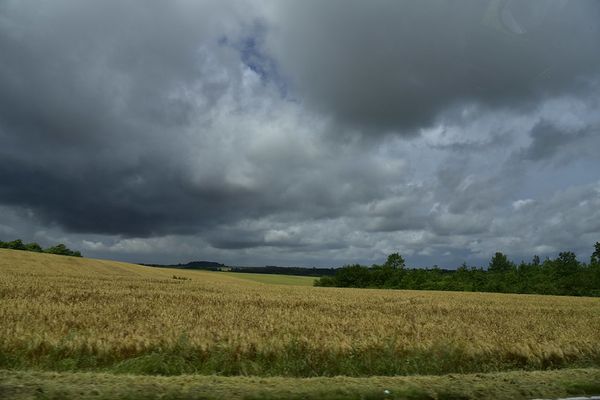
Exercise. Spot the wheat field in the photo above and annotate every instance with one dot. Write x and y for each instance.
(64, 313)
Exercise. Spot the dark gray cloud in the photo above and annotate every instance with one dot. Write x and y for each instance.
(550, 140)
(396, 65)
(96, 100)
(235, 131)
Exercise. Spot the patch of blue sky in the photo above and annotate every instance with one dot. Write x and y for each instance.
(254, 57)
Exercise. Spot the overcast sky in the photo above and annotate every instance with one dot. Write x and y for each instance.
(307, 133)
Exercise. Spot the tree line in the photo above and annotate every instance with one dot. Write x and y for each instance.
(564, 275)
(59, 249)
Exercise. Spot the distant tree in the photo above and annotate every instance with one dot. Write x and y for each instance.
(16, 245)
(62, 250)
(326, 281)
(34, 247)
(353, 276)
(567, 279)
(500, 263)
(595, 259)
(594, 270)
(463, 267)
(564, 275)
(566, 264)
(395, 261)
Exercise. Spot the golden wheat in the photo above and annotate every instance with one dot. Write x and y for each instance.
(121, 310)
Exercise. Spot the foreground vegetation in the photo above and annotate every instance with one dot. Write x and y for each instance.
(564, 275)
(17, 385)
(73, 314)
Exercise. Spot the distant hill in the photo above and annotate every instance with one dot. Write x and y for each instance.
(272, 269)
(268, 269)
(204, 265)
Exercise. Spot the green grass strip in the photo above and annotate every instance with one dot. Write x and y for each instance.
(22, 385)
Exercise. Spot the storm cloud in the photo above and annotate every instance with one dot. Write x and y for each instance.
(396, 65)
(301, 133)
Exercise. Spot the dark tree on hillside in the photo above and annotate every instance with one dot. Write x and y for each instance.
(62, 250)
(34, 247)
(16, 245)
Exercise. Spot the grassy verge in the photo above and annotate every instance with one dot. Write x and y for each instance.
(296, 359)
(21, 385)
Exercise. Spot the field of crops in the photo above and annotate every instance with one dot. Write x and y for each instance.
(64, 313)
(274, 279)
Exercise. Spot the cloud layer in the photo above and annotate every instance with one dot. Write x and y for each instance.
(301, 133)
(396, 65)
